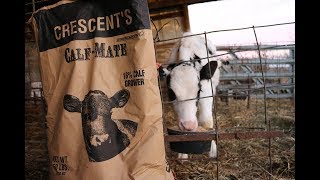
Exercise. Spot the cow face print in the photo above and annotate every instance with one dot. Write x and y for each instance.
(104, 137)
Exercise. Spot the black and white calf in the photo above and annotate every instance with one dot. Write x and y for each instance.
(104, 137)
(192, 79)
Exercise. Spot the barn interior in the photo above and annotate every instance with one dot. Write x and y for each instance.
(254, 115)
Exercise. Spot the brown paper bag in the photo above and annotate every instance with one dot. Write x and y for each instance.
(99, 78)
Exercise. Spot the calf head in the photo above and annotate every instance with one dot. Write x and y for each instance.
(191, 67)
(184, 88)
(102, 136)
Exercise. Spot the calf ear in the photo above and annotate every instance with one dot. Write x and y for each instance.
(163, 72)
(120, 99)
(71, 103)
(171, 94)
(205, 71)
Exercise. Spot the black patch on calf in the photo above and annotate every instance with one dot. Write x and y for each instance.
(171, 66)
(198, 93)
(195, 59)
(161, 73)
(171, 94)
(205, 71)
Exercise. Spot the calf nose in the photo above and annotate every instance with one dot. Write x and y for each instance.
(188, 125)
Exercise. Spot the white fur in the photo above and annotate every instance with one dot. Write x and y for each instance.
(184, 82)
(208, 90)
(189, 46)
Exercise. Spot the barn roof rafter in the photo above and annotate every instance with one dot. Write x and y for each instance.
(162, 4)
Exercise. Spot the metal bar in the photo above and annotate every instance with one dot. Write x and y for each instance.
(273, 96)
(265, 102)
(272, 47)
(236, 29)
(254, 86)
(257, 61)
(253, 48)
(221, 159)
(292, 54)
(216, 137)
(223, 136)
(226, 70)
(249, 71)
(170, 39)
(258, 96)
(187, 60)
(232, 76)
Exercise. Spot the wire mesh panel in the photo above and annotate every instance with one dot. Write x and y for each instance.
(253, 113)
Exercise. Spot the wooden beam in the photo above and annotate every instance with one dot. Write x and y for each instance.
(171, 3)
(186, 18)
(166, 15)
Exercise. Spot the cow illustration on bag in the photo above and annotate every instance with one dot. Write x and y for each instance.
(104, 137)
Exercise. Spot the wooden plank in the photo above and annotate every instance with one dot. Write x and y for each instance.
(171, 3)
(223, 136)
(166, 15)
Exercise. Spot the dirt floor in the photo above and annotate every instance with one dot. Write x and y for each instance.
(242, 159)
(36, 152)
(237, 159)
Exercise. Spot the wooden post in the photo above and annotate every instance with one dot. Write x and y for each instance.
(249, 92)
(186, 17)
(292, 55)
